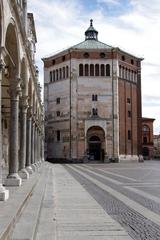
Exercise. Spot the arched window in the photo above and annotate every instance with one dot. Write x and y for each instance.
(146, 134)
(94, 111)
(126, 73)
(120, 71)
(107, 70)
(57, 75)
(146, 129)
(63, 72)
(51, 76)
(102, 70)
(80, 69)
(129, 75)
(54, 77)
(91, 70)
(123, 72)
(60, 73)
(67, 72)
(97, 70)
(135, 77)
(86, 70)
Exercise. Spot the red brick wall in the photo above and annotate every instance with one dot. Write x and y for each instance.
(78, 55)
(127, 90)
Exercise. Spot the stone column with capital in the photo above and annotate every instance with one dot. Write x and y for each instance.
(22, 161)
(28, 147)
(33, 145)
(42, 147)
(4, 193)
(38, 146)
(13, 179)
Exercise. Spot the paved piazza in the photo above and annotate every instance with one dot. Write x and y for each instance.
(89, 202)
(129, 193)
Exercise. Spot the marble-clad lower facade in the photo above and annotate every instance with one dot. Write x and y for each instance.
(21, 109)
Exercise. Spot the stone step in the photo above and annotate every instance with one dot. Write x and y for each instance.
(26, 225)
(11, 210)
(46, 227)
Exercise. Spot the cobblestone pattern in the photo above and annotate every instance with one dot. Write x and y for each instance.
(138, 227)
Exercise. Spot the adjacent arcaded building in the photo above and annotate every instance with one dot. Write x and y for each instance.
(21, 109)
(92, 97)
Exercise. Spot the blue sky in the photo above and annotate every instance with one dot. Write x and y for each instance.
(132, 25)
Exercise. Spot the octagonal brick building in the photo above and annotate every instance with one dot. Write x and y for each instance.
(92, 95)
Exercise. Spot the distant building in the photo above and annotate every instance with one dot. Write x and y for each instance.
(156, 143)
(147, 138)
(92, 97)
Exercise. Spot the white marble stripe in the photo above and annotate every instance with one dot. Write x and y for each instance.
(100, 175)
(127, 201)
(143, 184)
(114, 174)
(144, 194)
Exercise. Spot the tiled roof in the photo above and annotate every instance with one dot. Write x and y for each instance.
(91, 44)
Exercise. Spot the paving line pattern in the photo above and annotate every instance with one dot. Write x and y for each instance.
(77, 215)
(149, 203)
(113, 174)
(141, 222)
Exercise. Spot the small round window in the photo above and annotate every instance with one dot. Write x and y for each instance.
(86, 55)
(102, 55)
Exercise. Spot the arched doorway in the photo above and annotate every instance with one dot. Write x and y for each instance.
(96, 143)
(95, 148)
(145, 152)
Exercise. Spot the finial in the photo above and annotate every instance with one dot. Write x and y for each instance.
(91, 22)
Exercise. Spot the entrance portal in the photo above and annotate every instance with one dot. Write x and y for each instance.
(95, 143)
(94, 148)
(145, 152)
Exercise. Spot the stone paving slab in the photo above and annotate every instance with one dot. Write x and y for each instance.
(25, 227)
(58, 208)
(78, 216)
(12, 208)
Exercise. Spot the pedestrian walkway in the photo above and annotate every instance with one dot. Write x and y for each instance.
(58, 207)
(13, 207)
(77, 215)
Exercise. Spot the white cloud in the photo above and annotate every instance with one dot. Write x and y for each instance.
(62, 23)
(107, 2)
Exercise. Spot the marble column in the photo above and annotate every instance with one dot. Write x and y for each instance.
(13, 179)
(33, 145)
(42, 148)
(22, 161)
(28, 147)
(40, 156)
(4, 193)
(38, 146)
